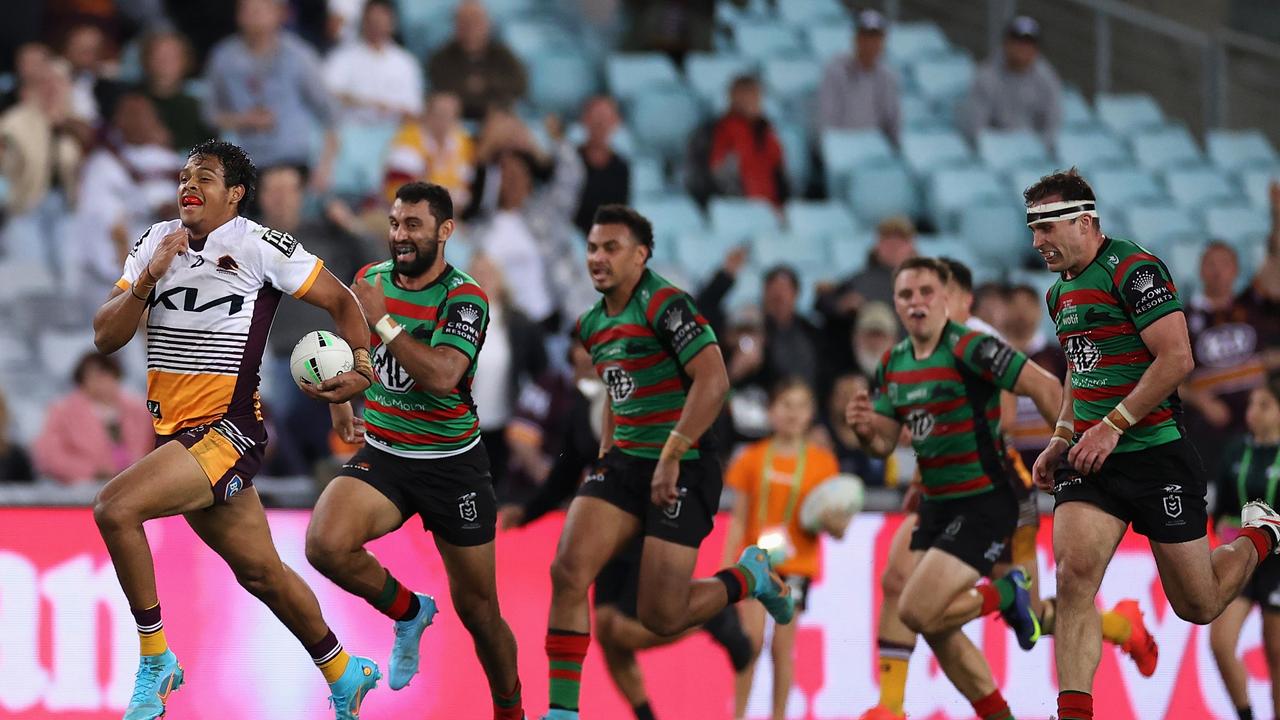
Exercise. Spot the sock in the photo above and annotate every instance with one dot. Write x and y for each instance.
(330, 657)
(566, 650)
(150, 630)
(992, 707)
(894, 659)
(1261, 539)
(725, 627)
(1115, 628)
(1245, 713)
(1075, 705)
(997, 595)
(736, 582)
(397, 601)
(644, 712)
(509, 706)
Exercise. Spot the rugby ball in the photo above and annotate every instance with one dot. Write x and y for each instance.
(319, 356)
(845, 492)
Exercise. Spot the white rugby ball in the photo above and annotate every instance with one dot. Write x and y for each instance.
(319, 356)
(845, 492)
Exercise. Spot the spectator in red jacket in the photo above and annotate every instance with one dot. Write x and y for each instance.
(746, 156)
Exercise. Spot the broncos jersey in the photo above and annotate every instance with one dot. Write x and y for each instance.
(210, 315)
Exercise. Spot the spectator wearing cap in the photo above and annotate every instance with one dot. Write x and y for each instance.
(746, 156)
(874, 333)
(1019, 90)
(859, 90)
(373, 78)
(479, 69)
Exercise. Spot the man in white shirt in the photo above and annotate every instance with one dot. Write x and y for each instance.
(374, 79)
(858, 90)
(1019, 89)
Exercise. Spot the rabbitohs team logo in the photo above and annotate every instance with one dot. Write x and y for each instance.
(1082, 353)
(920, 422)
(619, 382)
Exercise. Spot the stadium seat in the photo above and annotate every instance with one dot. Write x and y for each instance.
(1076, 112)
(908, 42)
(560, 80)
(1091, 150)
(796, 155)
(765, 38)
(789, 78)
(357, 171)
(662, 119)
(1257, 183)
(926, 151)
(631, 73)
(701, 253)
(1127, 114)
(741, 217)
(844, 150)
(818, 218)
(673, 216)
(849, 253)
(943, 79)
(997, 232)
(1238, 149)
(1118, 189)
(802, 251)
(425, 25)
(876, 192)
(1237, 225)
(709, 74)
(1166, 148)
(647, 178)
(806, 12)
(1019, 179)
(529, 37)
(60, 350)
(1195, 188)
(951, 246)
(829, 40)
(951, 190)
(1006, 149)
(920, 114)
(1159, 227)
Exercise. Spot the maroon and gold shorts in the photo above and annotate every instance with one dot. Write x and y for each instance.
(229, 450)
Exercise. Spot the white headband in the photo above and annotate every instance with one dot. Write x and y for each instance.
(1063, 210)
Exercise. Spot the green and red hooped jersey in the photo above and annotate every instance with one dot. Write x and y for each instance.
(1099, 315)
(640, 354)
(400, 417)
(950, 402)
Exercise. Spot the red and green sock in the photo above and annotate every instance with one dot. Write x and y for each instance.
(1075, 705)
(996, 595)
(566, 651)
(509, 706)
(396, 601)
(992, 707)
(737, 583)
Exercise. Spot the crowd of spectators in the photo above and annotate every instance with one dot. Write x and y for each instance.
(103, 108)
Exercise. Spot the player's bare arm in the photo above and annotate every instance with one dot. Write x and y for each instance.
(329, 294)
(1168, 342)
(1042, 387)
(116, 322)
(877, 433)
(702, 405)
(606, 429)
(1048, 459)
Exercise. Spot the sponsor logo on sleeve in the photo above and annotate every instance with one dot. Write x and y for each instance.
(282, 241)
(464, 321)
(993, 356)
(1147, 290)
(679, 323)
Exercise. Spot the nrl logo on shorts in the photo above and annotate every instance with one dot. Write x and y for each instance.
(673, 511)
(1083, 355)
(619, 382)
(467, 507)
(1173, 501)
(920, 422)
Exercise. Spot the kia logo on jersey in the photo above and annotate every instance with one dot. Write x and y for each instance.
(191, 302)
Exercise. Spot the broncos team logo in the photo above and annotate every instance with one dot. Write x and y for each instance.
(619, 382)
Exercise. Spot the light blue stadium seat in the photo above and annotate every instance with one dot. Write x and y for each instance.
(662, 119)
(710, 74)
(787, 78)
(1091, 150)
(701, 253)
(1238, 149)
(997, 232)
(1159, 227)
(631, 73)
(622, 141)
(1006, 149)
(1257, 183)
(795, 151)
(673, 216)
(647, 178)
(358, 169)
(876, 192)
(1076, 112)
(954, 189)
(1196, 188)
(946, 245)
(1237, 225)
(1019, 179)
(503, 11)
(1120, 188)
(528, 37)
(806, 12)
(926, 151)
(844, 150)
(920, 114)
(908, 42)
(849, 253)
(1166, 148)
(766, 38)
(942, 79)
(560, 80)
(801, 251)
(819, 218)
(829, 40)
(742, 217)
(1127, 114)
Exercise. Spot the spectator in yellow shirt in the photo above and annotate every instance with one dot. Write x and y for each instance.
(434, 149)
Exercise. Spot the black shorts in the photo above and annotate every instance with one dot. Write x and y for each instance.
(454, 495)
(974, 529)
(624, 480)
(1264, 587)
(229, 450)
(618, 584)
(1161, 490)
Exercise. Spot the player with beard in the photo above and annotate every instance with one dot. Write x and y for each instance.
(657, 478)
(207, 286)
(422, 451)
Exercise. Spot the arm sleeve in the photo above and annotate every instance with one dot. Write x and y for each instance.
(463, 319)
(1147, 291)
(678, 324)
(287, 265)
(991, 358)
